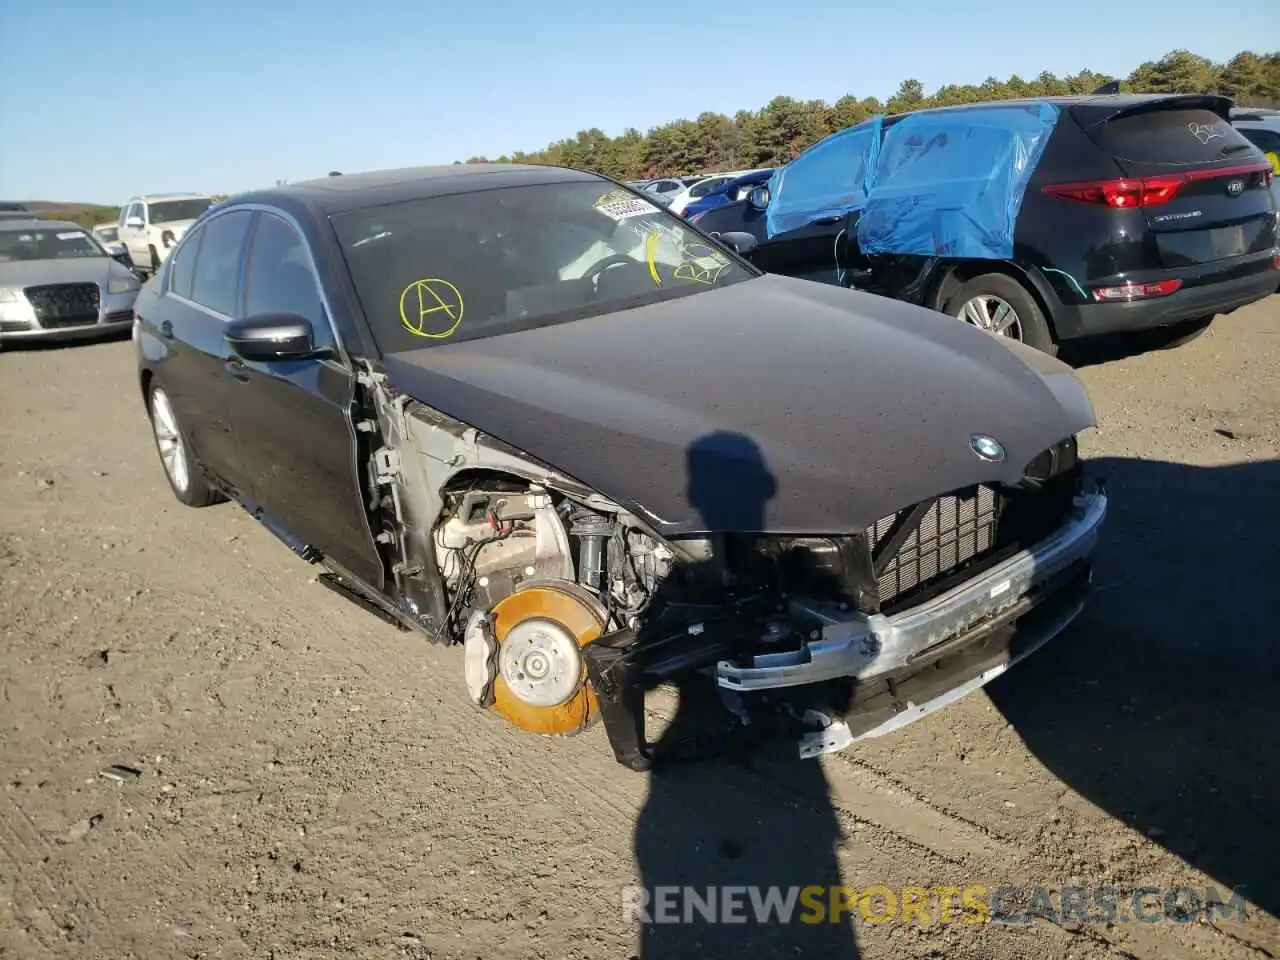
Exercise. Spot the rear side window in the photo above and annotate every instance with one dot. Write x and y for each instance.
(1172, 137)
(216, 284)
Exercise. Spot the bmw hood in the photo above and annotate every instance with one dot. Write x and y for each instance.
(828, 408)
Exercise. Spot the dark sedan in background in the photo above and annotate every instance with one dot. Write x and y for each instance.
(527, 411)
(57, 282)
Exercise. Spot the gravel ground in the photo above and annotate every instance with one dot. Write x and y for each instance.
(315, 784)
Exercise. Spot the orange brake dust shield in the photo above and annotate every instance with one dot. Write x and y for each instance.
(541, 683)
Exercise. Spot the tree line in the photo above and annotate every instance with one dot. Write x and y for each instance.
(784, 127)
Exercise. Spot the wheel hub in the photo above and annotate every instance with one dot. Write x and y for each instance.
(540, 663)
(539, 678)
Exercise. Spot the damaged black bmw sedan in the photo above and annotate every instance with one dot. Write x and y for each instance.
(526, 411)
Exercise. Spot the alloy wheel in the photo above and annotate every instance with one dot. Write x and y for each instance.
(992, 314)
(169, 440)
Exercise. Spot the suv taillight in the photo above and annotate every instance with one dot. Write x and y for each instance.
(1148, 191)
(1137, 291)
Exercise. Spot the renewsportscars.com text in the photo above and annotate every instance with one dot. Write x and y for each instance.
(973, 903)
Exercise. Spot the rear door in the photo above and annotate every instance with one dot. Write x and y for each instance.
(203, 295)
(292, 418)
(1204, 187)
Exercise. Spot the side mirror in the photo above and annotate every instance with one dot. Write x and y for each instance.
(272, 336)
(119, 252)
(759, 197)
(134, 222)
(739, 241)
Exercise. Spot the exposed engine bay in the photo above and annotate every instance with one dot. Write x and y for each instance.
(569, 606)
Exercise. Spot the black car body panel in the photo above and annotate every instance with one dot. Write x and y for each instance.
(786, 486)
(825, 407)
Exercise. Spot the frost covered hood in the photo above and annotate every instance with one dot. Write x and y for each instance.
(774, 404)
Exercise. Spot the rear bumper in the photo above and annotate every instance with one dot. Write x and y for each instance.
(872, 648)
(1071, 322)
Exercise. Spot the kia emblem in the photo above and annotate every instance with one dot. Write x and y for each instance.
(1235, 188)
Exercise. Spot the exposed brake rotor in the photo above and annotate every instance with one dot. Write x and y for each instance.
(539, 677)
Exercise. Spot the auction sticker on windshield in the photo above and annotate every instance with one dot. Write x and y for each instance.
(619, 205)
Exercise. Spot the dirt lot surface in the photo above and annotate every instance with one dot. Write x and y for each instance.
(315, 784)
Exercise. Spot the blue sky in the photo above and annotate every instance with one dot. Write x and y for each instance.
(102, 100)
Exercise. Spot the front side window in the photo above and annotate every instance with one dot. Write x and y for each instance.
(216, 283)
(48, 243)
(471, 265)
(171, 211)
(279, 279)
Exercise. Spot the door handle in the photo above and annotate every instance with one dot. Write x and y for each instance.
(166, 329)
(237, 369)
(834, 218)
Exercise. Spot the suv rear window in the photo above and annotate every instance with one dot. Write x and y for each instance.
(1171, 136)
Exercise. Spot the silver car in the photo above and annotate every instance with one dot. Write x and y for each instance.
(58, 282)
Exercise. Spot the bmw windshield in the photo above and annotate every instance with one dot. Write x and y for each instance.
(471, 265)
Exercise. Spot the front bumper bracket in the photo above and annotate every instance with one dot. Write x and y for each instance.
(868, 646)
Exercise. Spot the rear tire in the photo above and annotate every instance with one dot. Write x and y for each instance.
(185, 479)
(990, 300)
(1171, 336)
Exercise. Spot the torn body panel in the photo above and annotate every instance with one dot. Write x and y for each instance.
(569, 606)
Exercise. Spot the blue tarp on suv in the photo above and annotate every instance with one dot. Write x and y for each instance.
(945, 183)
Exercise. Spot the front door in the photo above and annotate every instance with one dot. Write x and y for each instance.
(809, 252)
(135, 237)
(292, 418)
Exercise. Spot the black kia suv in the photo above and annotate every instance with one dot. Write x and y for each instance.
(1146, 214)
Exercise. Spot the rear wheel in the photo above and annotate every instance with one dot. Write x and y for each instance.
(186, 481)
(1003, 307)
(1173, 335)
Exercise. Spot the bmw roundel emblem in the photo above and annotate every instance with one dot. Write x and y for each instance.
(986, 448)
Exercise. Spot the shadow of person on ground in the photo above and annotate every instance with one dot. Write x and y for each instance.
(23, 345)
(763, 819)
(1107, 348)
(1161, 704)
